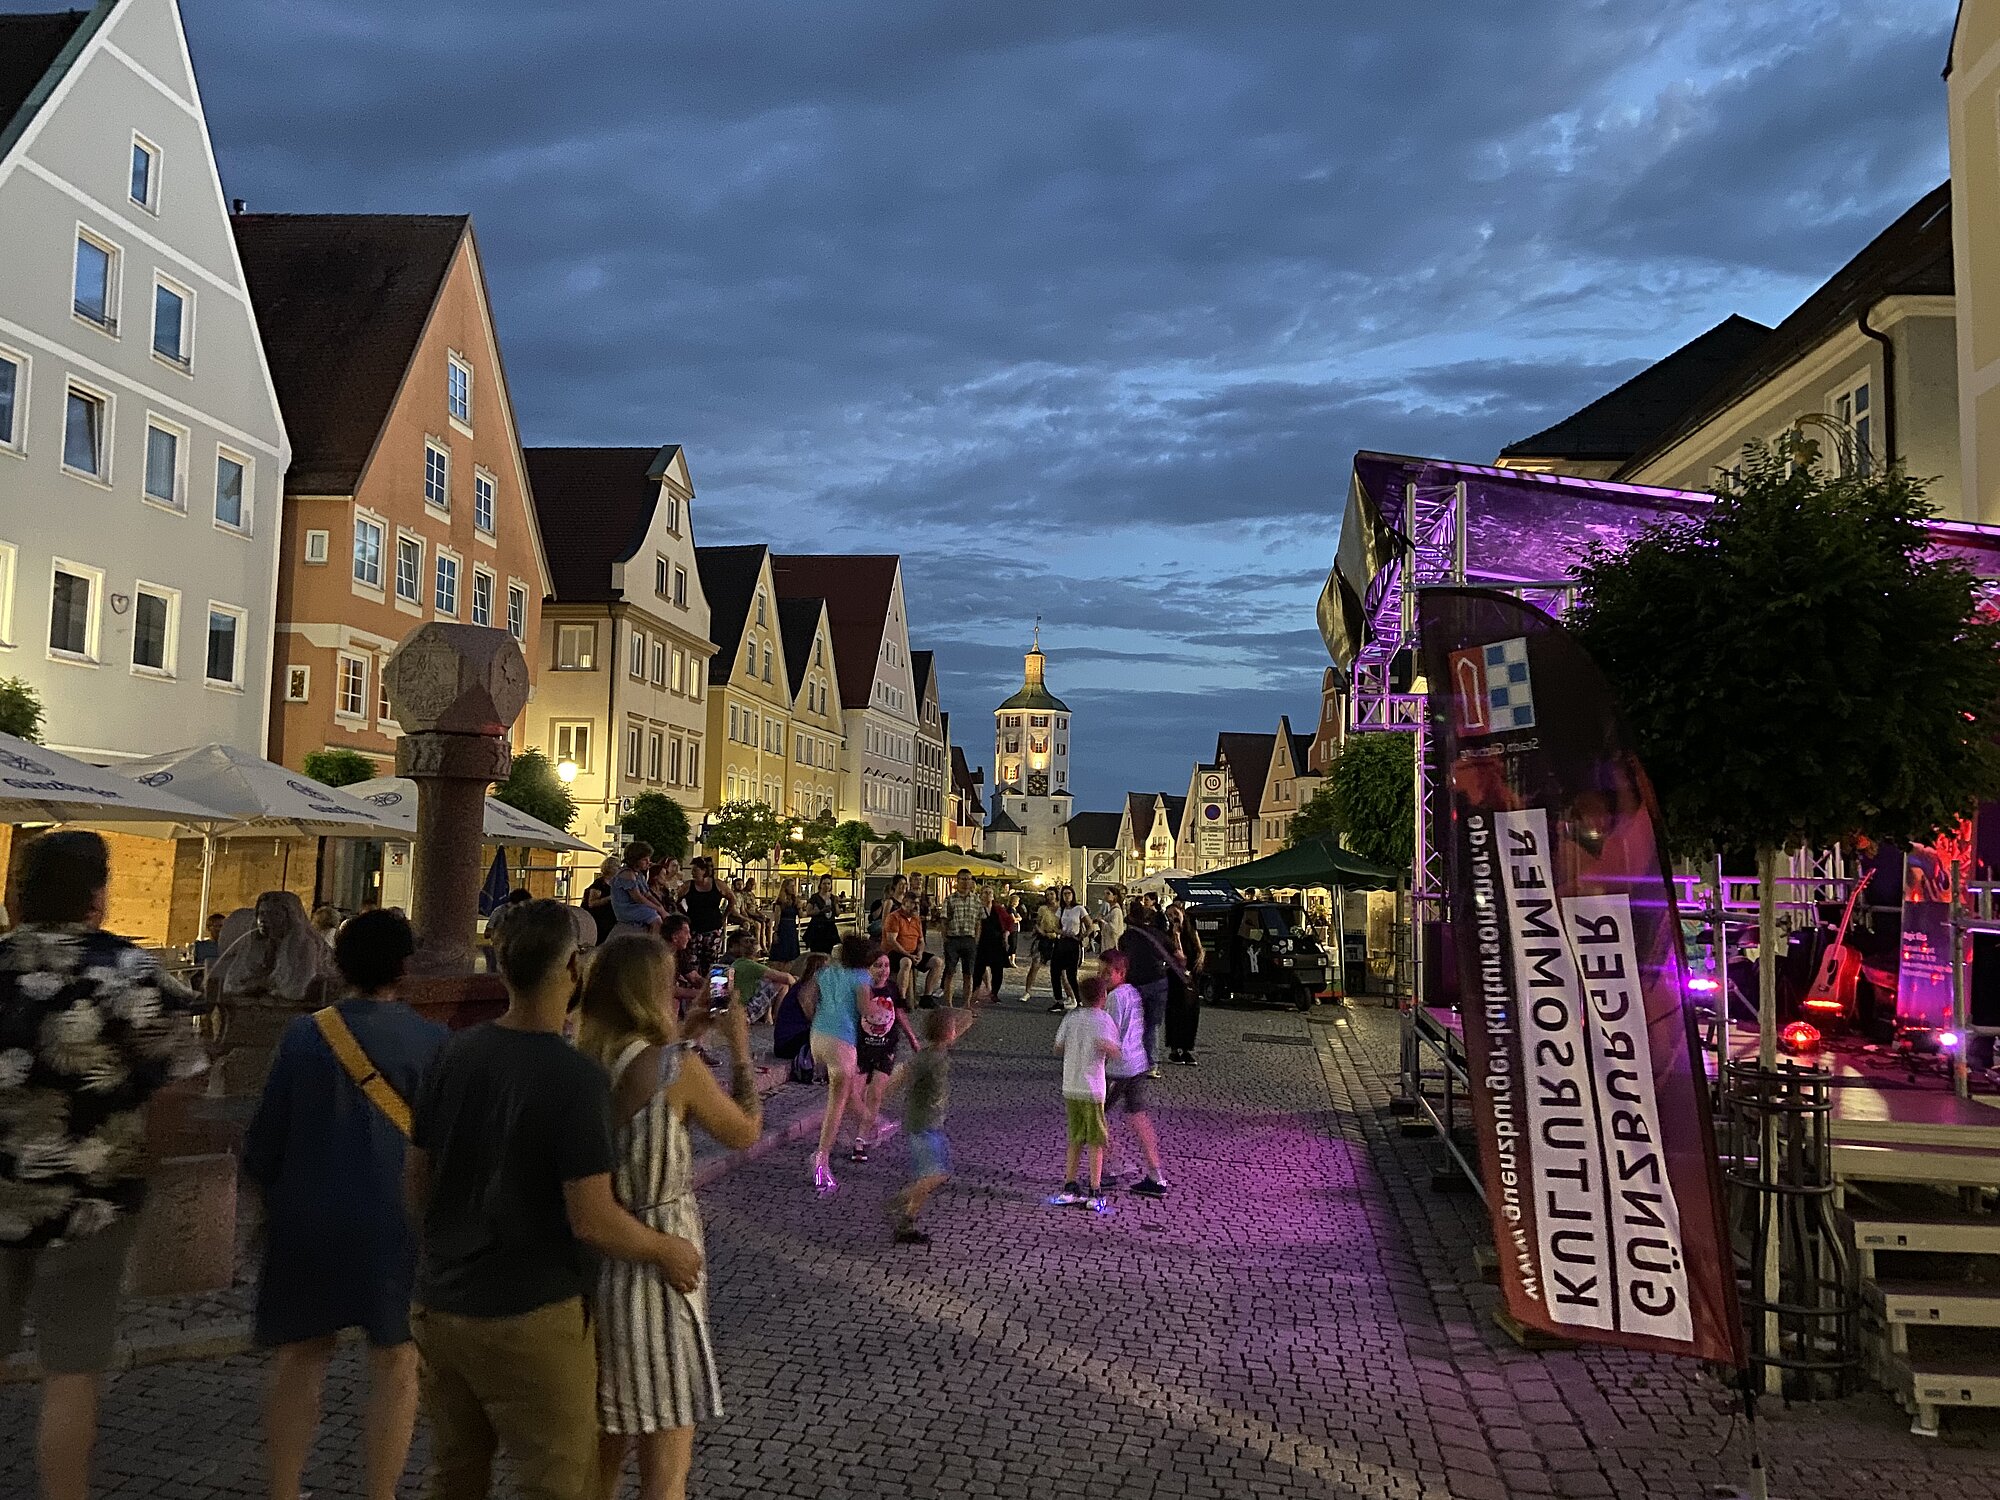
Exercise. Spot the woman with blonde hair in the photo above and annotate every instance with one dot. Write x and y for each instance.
(785, 936)
(656, 1371)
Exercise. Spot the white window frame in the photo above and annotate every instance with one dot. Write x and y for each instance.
(680, 586)
(17, 442)
(659, 654)
(249, 467)
(114, 279)
(635, 655)
(10, 573)
(693, 763)
(319, 548)
(415, 598)
(155, 160)
(673, 513)
(343, 660)
(481, 575)
(632, 749)
(517, 618)
(574, 630)
(432, 447)
(483, 483)
(108, 406)
(457, 565)
(679, 679)
(184, 360)
(93, 617)
(380, 525)
(171, 644)
(242, 619)
(660, 575)
(298, 682)
(656, 755)
(183, 439)
(454, 365)
(385, 715)
(563, 735)
(1840, 405)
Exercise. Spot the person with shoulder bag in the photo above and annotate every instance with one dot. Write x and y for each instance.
(326, 1150)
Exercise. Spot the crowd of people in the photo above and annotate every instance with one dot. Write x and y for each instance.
(507, 1213)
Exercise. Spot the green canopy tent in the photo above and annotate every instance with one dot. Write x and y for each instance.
(1314, 862)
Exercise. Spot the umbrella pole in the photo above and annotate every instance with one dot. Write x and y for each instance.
(207, 880)
(1340, 939)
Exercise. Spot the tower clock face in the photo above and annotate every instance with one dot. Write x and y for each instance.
(1038, 784)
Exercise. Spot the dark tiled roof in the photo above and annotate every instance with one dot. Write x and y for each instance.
(1176, 810)
(1249, 757)
(30, 48)
(1142, 806)
(968, 783)
(922, 665)
(1093, 830)
(729, 578)
(341, 301)
(1625, 421)
(1003, 824)
(1911, 258)
(856, 590)
(594, 506)
(1302, 745)
(798, 623)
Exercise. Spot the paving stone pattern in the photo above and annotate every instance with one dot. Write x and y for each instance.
(1299, 1318)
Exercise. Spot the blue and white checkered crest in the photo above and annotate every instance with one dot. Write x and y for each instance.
(1510, 697)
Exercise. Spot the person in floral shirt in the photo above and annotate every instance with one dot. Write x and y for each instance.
(90, 1031)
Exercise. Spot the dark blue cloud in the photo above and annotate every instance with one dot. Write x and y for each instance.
(1084, 308)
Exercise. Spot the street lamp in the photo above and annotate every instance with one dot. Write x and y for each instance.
(566, 770)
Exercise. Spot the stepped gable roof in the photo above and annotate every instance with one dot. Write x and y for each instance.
(1249, 757)
(798, 623)
(1911, 258)
(857, 590)
(729, 578)
(1142, 807)
(1093, 830)
(35, 52)
(1628, 419)
(1003, 824)
(595, 506)
(342, 301)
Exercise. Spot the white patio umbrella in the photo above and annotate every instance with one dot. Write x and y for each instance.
(1156, 883)
(394, 799)
(40, 786)
(240, 794)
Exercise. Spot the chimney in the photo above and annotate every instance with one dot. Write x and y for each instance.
(237, 205)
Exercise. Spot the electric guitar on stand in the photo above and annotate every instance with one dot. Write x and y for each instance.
(1831, 995)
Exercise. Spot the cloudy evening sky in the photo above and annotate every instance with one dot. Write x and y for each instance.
(1085, 307)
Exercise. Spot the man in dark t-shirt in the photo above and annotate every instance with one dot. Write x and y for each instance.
(510, 1184)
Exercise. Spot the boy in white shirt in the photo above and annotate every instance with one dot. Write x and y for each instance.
(1127, 1080)
(1084, 1041)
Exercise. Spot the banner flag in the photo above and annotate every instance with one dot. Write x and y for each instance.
(1596, 1138)
(1931, 873)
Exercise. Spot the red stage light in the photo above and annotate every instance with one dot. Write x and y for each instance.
(1800, 1036)
(1833, 1005)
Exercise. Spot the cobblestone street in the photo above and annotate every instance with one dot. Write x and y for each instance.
(1299, 1318)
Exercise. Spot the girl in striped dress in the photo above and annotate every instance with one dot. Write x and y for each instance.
(656, 1373)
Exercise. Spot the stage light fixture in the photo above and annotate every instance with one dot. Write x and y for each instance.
(1703, 986)
(1800, 1036)
(1947, 1040)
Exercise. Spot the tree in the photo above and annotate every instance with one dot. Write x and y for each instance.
(843, 846)
(818, 831)
(339, 767)
(659, 820)
(535, 789)
(745, 831)
(1371, 792)
(1317, 819)
(20, 710)
(1796, 667)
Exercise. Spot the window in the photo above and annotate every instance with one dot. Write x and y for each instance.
(145, 189)
(163, 465)
(152, 629)
(1853, 407)
(482, 501)
(298, 684)
(13, 401)
(437, 476)
(695, 670)
(517, 612)
(573, 744)
(368, 552)
(674, 760)
(679, 670)
(410, 570)
(351, 701)
(681, 587)
(384, 715)
(735, 733)
(171, 323)
(632, 750)
(636, 662)
(767, 663)
(83, 433)
(694, 763)
(73, 612)
(660, 576)
(760, 609)
(482, 598)
(656, 755)
(445, 596)
(659, 663)
(225, 646)
(231, 482)
(95, 297)
(458, 390)
(576, 648)
(318, 544)
(674, 514)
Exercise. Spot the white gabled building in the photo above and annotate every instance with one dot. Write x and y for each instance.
(141, 446)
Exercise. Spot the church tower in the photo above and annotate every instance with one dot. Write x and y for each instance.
(1031, 770)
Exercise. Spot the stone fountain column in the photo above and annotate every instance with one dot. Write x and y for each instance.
(456, 691)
